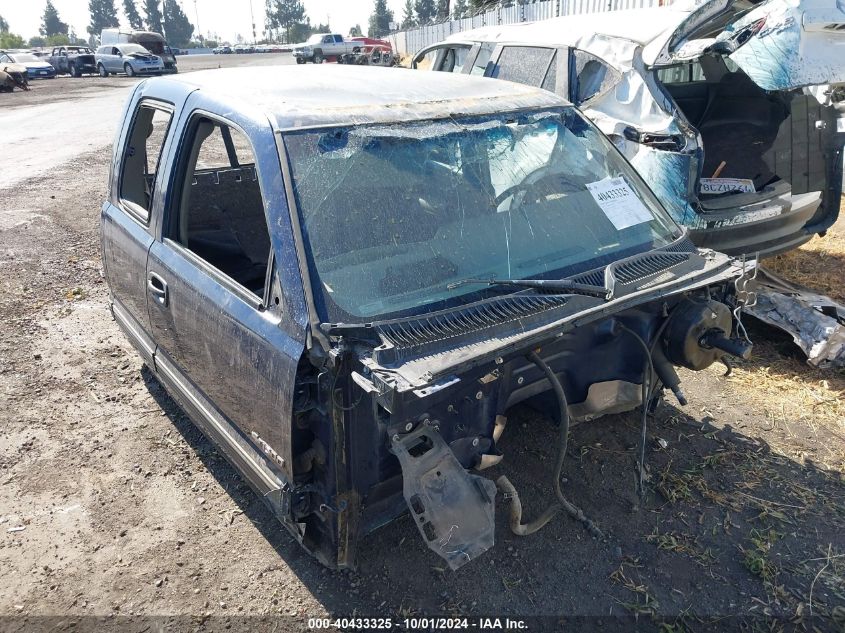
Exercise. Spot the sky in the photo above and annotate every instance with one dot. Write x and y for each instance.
(224, 18)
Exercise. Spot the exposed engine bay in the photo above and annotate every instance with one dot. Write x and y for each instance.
(421, 403)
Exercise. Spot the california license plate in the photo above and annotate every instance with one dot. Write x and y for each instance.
(727, 185)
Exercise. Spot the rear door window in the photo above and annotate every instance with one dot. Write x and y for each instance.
(141, 157)
(523, 64)
(220, 212)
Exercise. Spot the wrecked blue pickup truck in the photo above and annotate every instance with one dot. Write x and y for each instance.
(346, 276)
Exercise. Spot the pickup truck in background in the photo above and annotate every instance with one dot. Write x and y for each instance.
(73, 60)
(322, 45)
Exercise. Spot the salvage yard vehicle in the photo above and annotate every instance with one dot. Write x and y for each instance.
(11, 80)
(353, 343)
(151, 41)
(322, 46)
(728, 109)
(376, 55)
(35, 67)
(13, 75)
(73, 60)
(130, 59)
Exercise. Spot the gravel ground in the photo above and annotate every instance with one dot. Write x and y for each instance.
(113, 504)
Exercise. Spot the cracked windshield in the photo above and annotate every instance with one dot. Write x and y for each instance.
(392, 215)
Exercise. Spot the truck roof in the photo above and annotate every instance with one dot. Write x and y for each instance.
(307, 96)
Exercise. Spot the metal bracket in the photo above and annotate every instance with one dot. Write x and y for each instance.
(453, 509)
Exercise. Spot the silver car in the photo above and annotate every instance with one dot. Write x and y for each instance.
(733, 112)
(130, 59)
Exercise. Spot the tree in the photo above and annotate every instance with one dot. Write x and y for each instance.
(299, 31)
(50, 22)
(478, 5)
(408, 19)
(75, 40)
(177, 27)
(460, 9)
(39, 41)
(132, 15)
(442, 10)
(426, 11)
(154, 20)
(11, 40)
(356, 31)
(4, 26)
(103, 16)
(286, 14)
(60, 39)
(380, 19)
(322, 28)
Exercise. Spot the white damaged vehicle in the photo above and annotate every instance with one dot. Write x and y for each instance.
(732, 110)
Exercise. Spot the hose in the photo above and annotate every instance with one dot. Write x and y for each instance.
(563, 439)
(648, 371)
(506, 487)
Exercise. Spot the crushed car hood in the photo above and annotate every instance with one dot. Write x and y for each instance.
(779, 44)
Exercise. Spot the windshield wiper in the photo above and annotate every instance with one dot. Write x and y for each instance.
(555, 285)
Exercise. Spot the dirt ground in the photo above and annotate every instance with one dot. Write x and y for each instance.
(113, 504)
(64, 87)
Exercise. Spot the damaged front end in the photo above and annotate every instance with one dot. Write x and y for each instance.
(439, 387)
(587, 301)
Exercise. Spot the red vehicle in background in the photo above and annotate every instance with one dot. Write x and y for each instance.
(368, 41)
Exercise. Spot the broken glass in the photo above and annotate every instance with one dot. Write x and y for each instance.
(391, 215)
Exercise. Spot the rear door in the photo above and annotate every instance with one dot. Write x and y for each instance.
(113, 60)
(215, 304)
(126, 228)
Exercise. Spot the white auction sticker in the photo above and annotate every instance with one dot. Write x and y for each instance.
(726, 185)
(619, 202)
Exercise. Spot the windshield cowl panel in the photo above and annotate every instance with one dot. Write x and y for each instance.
(393, 215)
(414, 353)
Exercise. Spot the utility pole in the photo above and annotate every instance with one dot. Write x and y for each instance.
(252, 15)
(197, 14)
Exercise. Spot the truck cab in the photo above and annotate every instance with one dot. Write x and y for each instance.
(353, 343)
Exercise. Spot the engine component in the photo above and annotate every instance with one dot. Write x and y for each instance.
(699, 334)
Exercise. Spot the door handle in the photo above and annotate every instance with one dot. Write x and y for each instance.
(157, 287)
